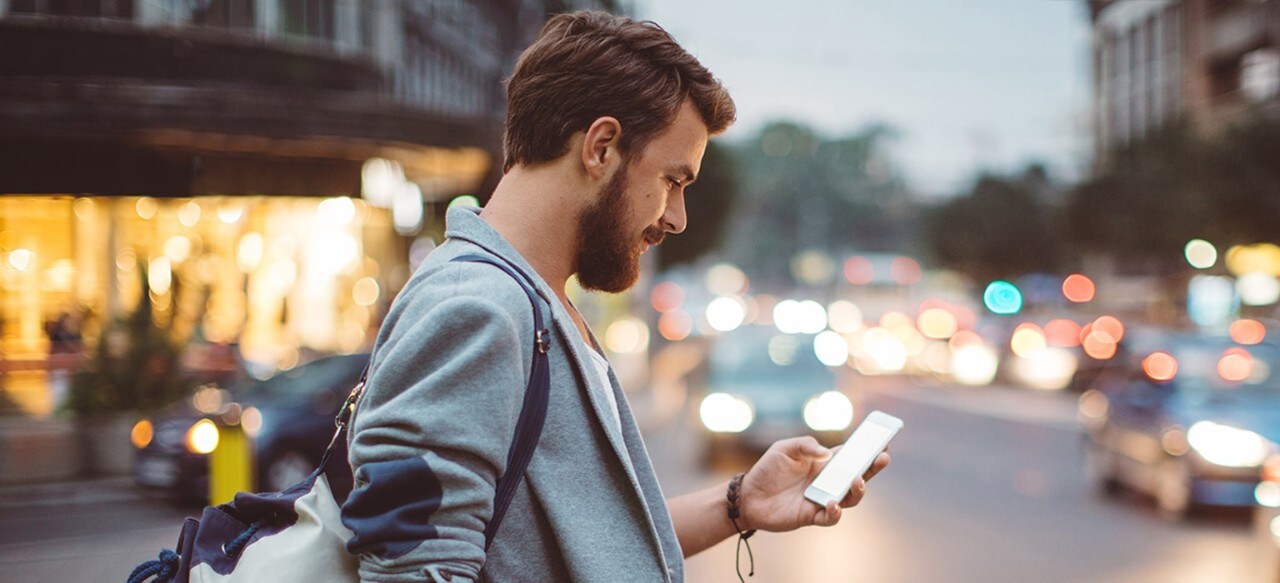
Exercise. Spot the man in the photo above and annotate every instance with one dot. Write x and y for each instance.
(607, 123)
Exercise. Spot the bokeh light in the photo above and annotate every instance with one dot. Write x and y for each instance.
(726, 279)
(844, 317)
(1111, 326)
(1062, 333)
(1258, 289)
(1099, 345)
(726, 313)
(905, 271)
(666, 296)
(675, 325)
(627, 336)
(858, 270)
(1002, 297)
(1078, 288)
(1246, 331)
(974, 364)
(1027, 339)
(1200, 254)
(831, 348)
(1235, 365)
(1160, 366)
(937, 323)
(1257, 258)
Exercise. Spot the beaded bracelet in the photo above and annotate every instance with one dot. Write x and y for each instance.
(734, 513)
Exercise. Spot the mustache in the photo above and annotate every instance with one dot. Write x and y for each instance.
(654, 235)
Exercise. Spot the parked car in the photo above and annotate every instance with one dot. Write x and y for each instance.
(1190, 426)
(289, 418)
(760, 386)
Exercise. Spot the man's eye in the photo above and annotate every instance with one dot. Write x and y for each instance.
(673, 182)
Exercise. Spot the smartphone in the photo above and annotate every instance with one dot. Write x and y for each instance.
(854, 458)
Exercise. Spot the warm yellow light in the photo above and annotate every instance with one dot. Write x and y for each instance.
(20, 259)
(1257, 258)
(249, 252)
(160, 275)
(844, 317)
(189, 214)
(141, 434)
(177, 248)
(202, 438)
(146, 207)
(365, 292)
(627, 336)
(1027, 339)
(937, 323)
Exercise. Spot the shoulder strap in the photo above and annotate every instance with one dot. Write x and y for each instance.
(533, 414)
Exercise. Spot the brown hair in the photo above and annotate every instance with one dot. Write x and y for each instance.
(586, 65)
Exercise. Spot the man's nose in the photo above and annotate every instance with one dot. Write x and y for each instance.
(673, 218)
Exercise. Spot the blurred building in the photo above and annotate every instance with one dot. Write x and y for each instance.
(258, 168)
(1207, 62)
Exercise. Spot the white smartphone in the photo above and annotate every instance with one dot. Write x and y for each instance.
(854, 458)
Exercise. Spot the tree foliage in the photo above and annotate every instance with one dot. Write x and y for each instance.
(1002, 228)
(1178, 185)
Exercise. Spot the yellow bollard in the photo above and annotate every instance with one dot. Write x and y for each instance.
(230, 465)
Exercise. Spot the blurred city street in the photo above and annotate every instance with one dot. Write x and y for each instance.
(1043, 234)
(985, 485)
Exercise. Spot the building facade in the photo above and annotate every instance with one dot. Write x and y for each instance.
(1204, 62)
(259, 170)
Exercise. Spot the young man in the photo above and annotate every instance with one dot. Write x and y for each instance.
(607, 123)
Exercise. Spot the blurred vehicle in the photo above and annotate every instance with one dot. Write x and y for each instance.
(1267, 512)
(288, 416)
(761, 386)
(1191, 424)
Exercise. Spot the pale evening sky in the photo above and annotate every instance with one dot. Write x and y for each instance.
(970, 84)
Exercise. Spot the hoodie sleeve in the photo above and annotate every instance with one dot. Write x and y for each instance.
(431, 434)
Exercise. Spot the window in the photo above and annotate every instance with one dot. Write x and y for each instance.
(224, 13)
(313, 18)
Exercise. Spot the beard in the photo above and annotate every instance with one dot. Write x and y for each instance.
(608, 258)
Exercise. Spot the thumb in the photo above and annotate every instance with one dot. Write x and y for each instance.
(806, 447)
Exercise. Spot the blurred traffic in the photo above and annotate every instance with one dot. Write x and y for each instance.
(1044, 234)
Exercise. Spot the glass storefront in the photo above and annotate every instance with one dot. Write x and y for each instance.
(276, 278)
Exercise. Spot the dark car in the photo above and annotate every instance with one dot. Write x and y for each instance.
(761, 385)
(289, 418)
(1191, 425)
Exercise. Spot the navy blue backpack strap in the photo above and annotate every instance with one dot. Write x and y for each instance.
(533, 415)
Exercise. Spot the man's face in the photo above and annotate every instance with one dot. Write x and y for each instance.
(639, 205)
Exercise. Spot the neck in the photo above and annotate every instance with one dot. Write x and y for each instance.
(536, 211)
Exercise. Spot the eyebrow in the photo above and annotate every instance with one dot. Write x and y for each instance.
(685, 173)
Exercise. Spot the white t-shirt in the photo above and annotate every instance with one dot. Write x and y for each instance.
(602, 371)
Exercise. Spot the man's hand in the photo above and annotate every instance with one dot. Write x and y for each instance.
(772, 492)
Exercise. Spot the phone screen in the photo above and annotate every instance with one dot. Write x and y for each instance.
(854, 458)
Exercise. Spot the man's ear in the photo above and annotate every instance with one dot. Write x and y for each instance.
(600, 147)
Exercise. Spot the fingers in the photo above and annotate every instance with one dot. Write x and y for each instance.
(856, 492)
(828, 516)
(882, 461)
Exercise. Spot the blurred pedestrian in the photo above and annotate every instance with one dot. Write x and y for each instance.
(607, 123)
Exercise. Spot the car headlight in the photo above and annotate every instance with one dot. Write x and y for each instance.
(202, 438)
(725, 413)
(1227, 446)
(830, 411)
